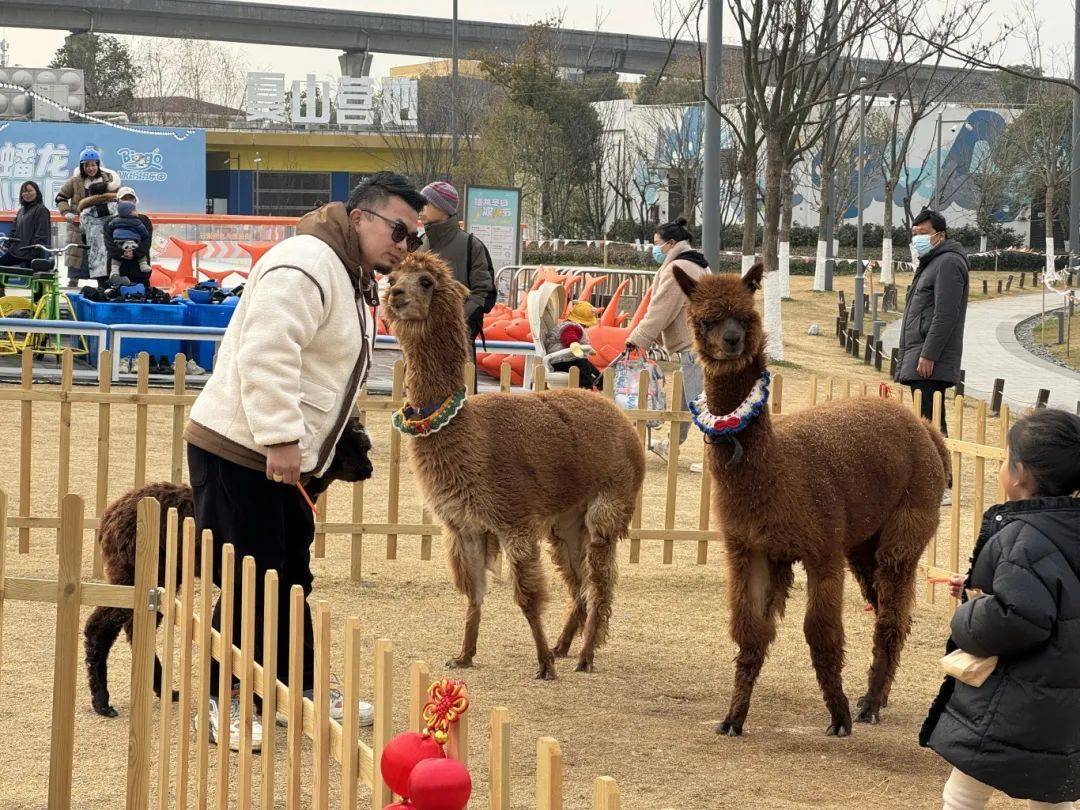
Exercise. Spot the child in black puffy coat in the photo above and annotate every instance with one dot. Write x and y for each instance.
(1019, 731)
(128, 236)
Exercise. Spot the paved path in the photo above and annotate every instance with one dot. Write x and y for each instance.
(991, 351)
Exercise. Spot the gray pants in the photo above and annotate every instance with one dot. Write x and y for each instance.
(693, 385)
(93, 228)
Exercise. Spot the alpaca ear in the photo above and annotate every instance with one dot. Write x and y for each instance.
(753, 276)
(687, 284)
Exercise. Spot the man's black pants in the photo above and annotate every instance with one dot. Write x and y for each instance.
(929, 388)
(266, 521)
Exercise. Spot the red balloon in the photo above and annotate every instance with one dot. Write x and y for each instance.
(402, 754)
(440, 784)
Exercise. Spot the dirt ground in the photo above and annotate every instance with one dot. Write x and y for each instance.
(645, 717)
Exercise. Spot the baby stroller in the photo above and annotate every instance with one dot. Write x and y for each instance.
(545, 307)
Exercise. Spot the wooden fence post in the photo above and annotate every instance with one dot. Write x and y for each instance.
(269, 686)
(227, 600)
(3, 546)
(878, 356)
(179, 385)
(247, 681)
(26, 445)
(499, 765)
(548, 774)
(320, 753)
(777, 399)
(63, 473)
(394, 484)
(643, 437)
(350, 725)
(103, 448)
(419, 681)
(140, 742)
(384, 711)
(671, 504)
(605, 794)
(169, 636)
(142, 388)
(995, 398)
(66, 655)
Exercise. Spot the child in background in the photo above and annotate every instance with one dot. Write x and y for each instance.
(567, 344)
(1019, 732)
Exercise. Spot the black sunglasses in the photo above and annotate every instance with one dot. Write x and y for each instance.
(400, 231)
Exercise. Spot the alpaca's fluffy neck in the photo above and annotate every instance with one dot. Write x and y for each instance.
(435, 357)
(725, 392)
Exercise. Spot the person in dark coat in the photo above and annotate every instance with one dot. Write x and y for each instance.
(1019, 732)
(467, 256)
(128, 236)
(31, 227)
(932, 332)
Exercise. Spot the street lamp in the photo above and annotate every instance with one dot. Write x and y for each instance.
(859, 163)
(935, 200)
(453, 86)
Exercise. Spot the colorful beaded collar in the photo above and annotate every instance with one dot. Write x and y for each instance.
(718, 427)
(425, 421)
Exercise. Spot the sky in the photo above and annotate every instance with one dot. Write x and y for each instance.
(27, 46)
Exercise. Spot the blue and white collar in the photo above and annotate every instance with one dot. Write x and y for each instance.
(716, 427)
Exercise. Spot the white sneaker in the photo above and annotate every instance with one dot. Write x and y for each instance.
(946, 499)
(697, 467)
(194, 369)
(660, 448)
(234, 726)
(337, 709)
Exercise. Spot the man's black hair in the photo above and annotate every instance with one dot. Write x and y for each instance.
(381, 185)
(936, 220)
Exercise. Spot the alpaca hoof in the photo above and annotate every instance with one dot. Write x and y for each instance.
(729, 729)
(459, 663)
(869, 711)
(105, 710)
(840, 729)
(546, 672)
(585, 666)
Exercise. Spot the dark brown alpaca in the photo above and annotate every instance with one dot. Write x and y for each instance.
(857, 482)
(511, 470)
(117, 537)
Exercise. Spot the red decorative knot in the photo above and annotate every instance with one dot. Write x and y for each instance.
(448, 700)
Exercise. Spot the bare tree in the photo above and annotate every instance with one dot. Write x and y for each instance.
(201, 71)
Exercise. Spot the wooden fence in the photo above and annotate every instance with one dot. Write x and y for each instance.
(187, 771)
(674, 507)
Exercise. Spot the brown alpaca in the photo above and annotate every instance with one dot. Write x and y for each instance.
(510, 470)
(857, 482)
(117, 537)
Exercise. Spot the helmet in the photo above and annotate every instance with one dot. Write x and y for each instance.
(89, 153)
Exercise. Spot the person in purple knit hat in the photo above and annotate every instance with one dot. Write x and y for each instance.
(465, 253)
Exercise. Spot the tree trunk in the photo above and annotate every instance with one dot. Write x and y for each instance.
(823, 220)
(887, 278)
(774, 172)
(785, 235)
(748, 179)
(1050, 229)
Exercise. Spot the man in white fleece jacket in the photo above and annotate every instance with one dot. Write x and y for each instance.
(287, 375)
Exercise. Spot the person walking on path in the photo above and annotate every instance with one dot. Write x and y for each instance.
(932, 332)
(465, 253)
(1019, 731)
(665, 321)
(292, 361)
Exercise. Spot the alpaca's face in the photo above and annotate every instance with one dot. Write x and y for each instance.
(727, 328)
(421, 287)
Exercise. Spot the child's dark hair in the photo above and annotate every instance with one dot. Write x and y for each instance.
(675, 231)
(1047, 443)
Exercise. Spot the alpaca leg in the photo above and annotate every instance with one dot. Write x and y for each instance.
(895, 582)
(824, 630)
(604, 521)
(567, 550)
(467, 555)
(863, 562)
(530, 592)
(757, 590)
(102, 628)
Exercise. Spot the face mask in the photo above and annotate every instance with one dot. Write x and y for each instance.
(658, 254)
(921, 244)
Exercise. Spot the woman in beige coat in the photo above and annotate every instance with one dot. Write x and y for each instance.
(665, 321)
(89, 194)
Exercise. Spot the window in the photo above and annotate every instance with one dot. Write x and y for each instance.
(289, 194)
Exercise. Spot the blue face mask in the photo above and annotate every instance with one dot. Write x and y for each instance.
(658, 254)
(921, 244)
